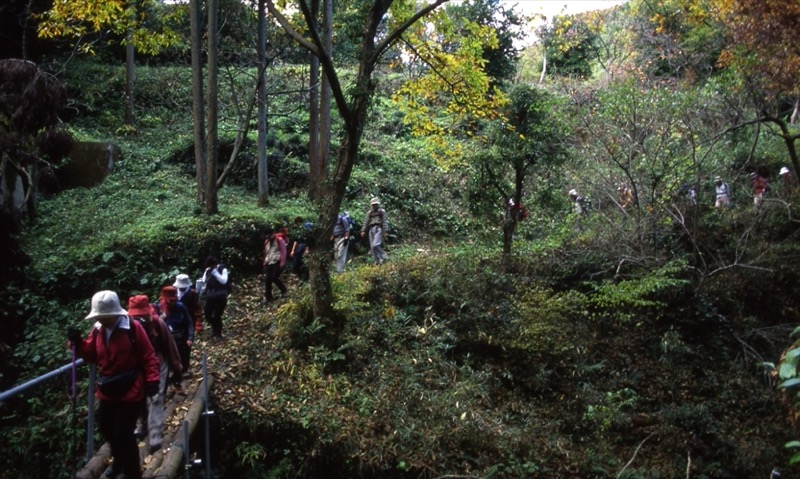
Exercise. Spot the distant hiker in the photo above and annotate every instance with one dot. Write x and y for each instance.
(722, 192)
(127, 369)
(181, 326)
(140, 309)
(519, 213)
(341, 240)
(581, 205)
(625, 196)
(689, 193)
(788, 184)
(187, 294)
(274, 262)
(376, 223)
(299, 245)
(217, 289)
(759, 188)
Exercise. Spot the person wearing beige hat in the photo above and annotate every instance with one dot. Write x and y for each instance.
(127, 369)
(376, 224)
(187, 294)
(788, 185)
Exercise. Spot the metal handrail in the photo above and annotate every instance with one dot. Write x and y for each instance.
(5, 395)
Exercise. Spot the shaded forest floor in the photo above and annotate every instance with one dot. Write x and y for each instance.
(623, 401)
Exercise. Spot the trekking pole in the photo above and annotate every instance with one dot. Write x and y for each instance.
(207, 413)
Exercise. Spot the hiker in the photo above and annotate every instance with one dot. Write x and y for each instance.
(376, 223)
(181, 326)
(217, 289)
(187, 294)
(140, 309)
(722, 192)
(299, 246)
(341, 239)
(517, 213)
(787, 181)
(759, 188)
(127, 369)
(274, 262)
(581, 207)
(625, 196)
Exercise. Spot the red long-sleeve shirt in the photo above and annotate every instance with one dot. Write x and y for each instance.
(120, 354)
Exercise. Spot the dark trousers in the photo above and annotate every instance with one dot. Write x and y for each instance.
(213, 311)
(272, 274)
(184, 351)
(116, 421)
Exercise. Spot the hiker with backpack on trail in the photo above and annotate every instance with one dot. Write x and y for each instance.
(581, 204)
(216, 287)
(181, 326)
(187, 294)
(127, 369)
(274, 262)
(722, 192)
(341, 238)
(140, 310)
(760, 188)
(376, 224)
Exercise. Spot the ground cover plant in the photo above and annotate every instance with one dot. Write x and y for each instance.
(628, 342)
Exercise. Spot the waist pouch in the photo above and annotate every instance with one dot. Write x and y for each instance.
(117, 385)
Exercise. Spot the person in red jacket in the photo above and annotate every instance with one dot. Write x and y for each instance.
(759, 188)
(140, 309)
(127, 369)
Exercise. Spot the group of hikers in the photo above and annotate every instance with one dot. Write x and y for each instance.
(282, 246)
(139, 351)
(722, 192)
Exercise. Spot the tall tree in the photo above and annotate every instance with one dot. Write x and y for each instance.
(352, 109)
(261, 98)
(198, 101)
(212, 141)
(528, 139)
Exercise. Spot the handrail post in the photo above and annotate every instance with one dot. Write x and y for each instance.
(90, 413)
(207, 413)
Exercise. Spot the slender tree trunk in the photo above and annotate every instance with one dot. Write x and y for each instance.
(263, 165)
(325, 95)
(314, 159)
(795, 112)
(130, 53)
(198, 110)
(212, 143)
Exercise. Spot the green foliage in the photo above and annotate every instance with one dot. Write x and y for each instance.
(569, 43)
(609, 411)
(625, 300)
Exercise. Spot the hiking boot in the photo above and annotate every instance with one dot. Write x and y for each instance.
(154, 448)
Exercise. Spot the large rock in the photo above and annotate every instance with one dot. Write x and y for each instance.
(88, 164)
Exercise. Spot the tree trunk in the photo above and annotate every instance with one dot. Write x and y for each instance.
(325, 96)
(263, 165)
(198, 110)
(314, 159)
(212, 142)
(130, 53)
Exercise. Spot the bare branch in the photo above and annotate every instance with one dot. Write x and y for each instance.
(634, 454)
